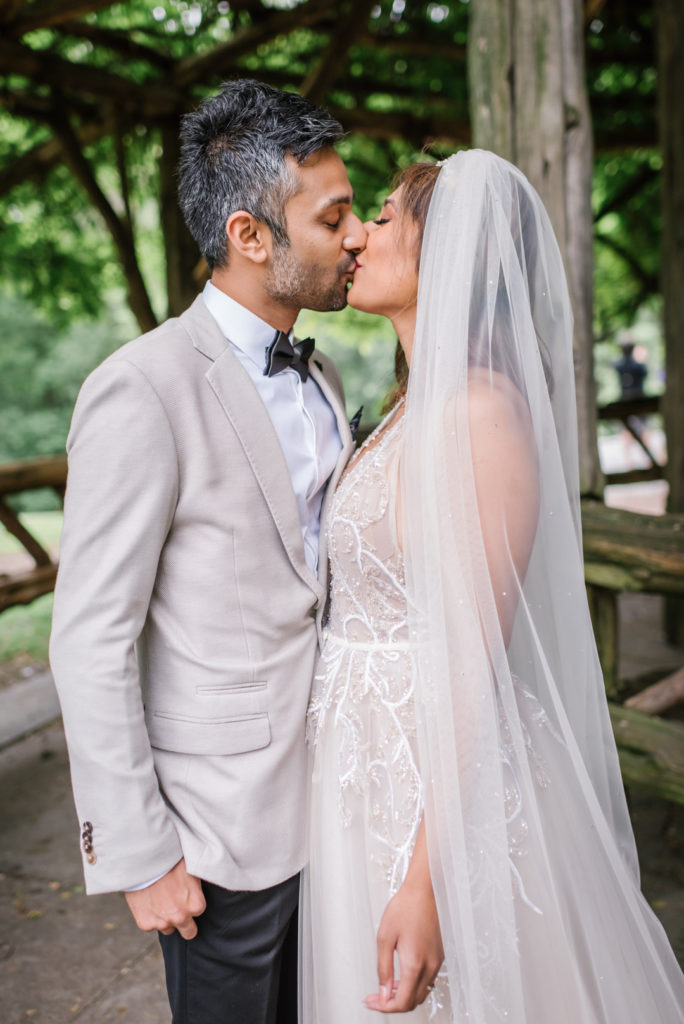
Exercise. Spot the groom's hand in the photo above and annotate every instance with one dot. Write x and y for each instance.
(170, 904)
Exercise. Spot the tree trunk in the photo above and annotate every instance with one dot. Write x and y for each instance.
(528, 103)
(182, 255)
(670, 36)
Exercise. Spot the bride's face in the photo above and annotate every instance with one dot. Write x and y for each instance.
(386, 277)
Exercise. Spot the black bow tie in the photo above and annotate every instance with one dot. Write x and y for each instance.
(280, 354)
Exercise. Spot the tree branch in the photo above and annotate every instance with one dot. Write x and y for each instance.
(417, 130)
(631, 188)
(648, 281)
(45, 13)
(116, 41)
(121, 234)
(413, 45)
(334, 57)
(147, 99)
(222, 58)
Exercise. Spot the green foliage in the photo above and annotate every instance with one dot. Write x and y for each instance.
(628, 227)
(363, 348)
(57, 254)
(41, 371)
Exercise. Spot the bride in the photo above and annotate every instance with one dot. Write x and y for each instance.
(472, 859)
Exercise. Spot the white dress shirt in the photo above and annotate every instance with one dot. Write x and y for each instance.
(301, 415)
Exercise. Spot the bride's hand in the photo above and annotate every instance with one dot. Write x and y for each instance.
(411, 927)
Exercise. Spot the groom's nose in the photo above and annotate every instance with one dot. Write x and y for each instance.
(356, 237)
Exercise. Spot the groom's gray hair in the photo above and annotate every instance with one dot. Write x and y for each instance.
(233, 149)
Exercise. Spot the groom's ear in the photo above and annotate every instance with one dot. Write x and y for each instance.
(249, 237)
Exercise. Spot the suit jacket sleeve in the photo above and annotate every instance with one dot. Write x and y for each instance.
(121, 495)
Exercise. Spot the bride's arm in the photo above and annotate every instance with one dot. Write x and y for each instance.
(411, 927)
(506, 485)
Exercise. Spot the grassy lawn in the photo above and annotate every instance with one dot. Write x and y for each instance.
(25, 629)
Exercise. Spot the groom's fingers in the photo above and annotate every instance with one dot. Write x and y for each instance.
(170, 904)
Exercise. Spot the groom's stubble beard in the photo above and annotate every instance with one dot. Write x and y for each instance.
(307, 285)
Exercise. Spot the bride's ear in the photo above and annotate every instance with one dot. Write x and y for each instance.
(248, 237)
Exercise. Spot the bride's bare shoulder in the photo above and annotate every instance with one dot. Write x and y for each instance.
(493, 399)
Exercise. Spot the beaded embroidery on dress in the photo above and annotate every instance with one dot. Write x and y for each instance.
(367, 790)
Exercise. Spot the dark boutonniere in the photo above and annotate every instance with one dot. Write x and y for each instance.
(354, 423)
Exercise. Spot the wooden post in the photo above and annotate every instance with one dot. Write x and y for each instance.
(670, 41)
(604, 616)
(529, 104)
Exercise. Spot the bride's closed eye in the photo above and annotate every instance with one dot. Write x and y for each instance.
(381, 220)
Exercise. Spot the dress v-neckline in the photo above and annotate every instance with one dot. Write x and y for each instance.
(376, 438)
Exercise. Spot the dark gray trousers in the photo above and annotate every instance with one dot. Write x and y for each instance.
(241, 967)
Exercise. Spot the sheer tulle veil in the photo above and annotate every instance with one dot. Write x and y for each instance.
(531, 849)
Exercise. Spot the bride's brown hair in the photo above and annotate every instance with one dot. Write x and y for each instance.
(417, 182)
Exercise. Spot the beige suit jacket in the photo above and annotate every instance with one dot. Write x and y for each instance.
(186, 617)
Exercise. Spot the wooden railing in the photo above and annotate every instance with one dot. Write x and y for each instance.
(15, 477)
(629, 551)
(628, 412)
(622, 551)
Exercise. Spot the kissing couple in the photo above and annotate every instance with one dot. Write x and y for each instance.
(336, 721)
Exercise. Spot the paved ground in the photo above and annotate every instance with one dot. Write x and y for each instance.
(66, 957)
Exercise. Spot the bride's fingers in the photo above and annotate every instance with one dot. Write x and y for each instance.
(403, 998)
(387, 941)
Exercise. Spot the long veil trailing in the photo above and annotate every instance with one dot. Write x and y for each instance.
(531, 848)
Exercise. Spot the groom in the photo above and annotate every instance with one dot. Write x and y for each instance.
(192, 579)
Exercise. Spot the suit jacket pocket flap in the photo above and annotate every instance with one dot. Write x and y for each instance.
(209, 736)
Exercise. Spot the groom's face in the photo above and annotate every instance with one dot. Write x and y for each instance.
(315, 269)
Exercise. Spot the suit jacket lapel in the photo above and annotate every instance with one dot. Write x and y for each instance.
(347, 449)
(246, 412)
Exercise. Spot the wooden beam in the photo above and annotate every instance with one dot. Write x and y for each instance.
(651, 752)
(10, 520)
(660, 696)
(27, 587)
(646, 405)
(630, 551)
(636, 476)
(30, 474)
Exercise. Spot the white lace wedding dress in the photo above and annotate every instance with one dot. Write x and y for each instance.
(367, 804)
(367, 792)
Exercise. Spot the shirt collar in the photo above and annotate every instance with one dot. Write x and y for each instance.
(243, 329)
